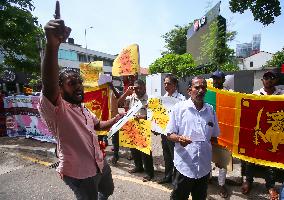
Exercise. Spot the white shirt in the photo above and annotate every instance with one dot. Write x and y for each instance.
(132, 99)
(278, 91)
(194, 160)
(176, 95)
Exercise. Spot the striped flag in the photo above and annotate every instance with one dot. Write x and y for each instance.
(252, 126)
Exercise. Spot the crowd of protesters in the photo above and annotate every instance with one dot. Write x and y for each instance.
(187, 148)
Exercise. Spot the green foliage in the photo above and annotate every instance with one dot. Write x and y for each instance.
(35, 81)
(215, 50)
(175, 40)
(19, 36)
(179, 65)
(277, 59)
(264, 11)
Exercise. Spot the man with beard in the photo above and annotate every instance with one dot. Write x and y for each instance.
(269, 81)
(192, 126)
(133, 94)
(170, 83)
(81, 163)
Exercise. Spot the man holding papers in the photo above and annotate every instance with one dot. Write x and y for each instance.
(192, 125)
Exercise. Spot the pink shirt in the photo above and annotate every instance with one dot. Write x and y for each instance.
(73, 126)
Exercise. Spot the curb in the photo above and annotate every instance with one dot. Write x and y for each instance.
(50, 152)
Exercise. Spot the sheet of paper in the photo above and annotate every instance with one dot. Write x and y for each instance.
(197, 137)
(123, 120)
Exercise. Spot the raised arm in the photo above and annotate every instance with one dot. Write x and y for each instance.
(128, 92)
(56, 32)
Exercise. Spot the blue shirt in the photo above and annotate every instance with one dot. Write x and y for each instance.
(193, 160)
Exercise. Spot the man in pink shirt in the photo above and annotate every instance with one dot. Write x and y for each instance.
(81, 163)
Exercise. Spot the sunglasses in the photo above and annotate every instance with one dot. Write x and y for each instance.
(269, 77)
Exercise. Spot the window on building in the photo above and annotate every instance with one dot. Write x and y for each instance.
(107, 63)
(67, 55)
(82, 58)
(251, 64)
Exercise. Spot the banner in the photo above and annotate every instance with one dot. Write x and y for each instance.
(90, 73)
(158, 112)
(251, 126)
(97, 100)
(23, 119)
(136, 133)
(127, 62)
(2, 117)
(129, 115)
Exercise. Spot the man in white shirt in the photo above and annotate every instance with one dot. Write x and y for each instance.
(192, 125)
(170, 83)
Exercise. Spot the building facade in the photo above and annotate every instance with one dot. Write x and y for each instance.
(71, 55)
(245, 50)
(255, 61)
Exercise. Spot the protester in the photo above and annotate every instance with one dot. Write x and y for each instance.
(192, 126)
(170, 83)
(114, 111)
(132, 95)
(269, 81)
(81, 163)
(218, 82)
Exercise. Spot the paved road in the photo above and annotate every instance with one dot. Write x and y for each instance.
(25, 175)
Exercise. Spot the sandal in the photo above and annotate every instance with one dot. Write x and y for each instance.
(273, 194)
(246, 187)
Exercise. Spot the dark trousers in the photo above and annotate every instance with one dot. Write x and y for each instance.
(141, 159)
(115, 143)
(168, 153)
(269, 173)
(97, 187)
(184, 186)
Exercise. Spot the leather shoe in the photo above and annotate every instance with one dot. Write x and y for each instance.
(165, 180)
(147, 178)
(135, 170)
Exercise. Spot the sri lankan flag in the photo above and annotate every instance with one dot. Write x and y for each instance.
(97, 100)
(252, 126)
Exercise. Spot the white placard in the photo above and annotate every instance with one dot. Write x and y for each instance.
(136, 107)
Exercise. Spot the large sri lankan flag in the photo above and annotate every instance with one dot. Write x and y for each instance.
(97, 100)
(252, 126)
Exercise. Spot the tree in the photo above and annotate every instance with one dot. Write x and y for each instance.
(215, 50)
(179, 65)
(175, 40)
(19, 36)
(277, 59)
(264, 11)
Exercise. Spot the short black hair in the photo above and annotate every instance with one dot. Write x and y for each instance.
(195, 77)
(139, 82)
(65, 72)
(172, 78)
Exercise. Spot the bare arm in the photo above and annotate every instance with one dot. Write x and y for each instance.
(116, 94)
(128, 92)
(56, 32)
(104, 125)
(183, 140)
